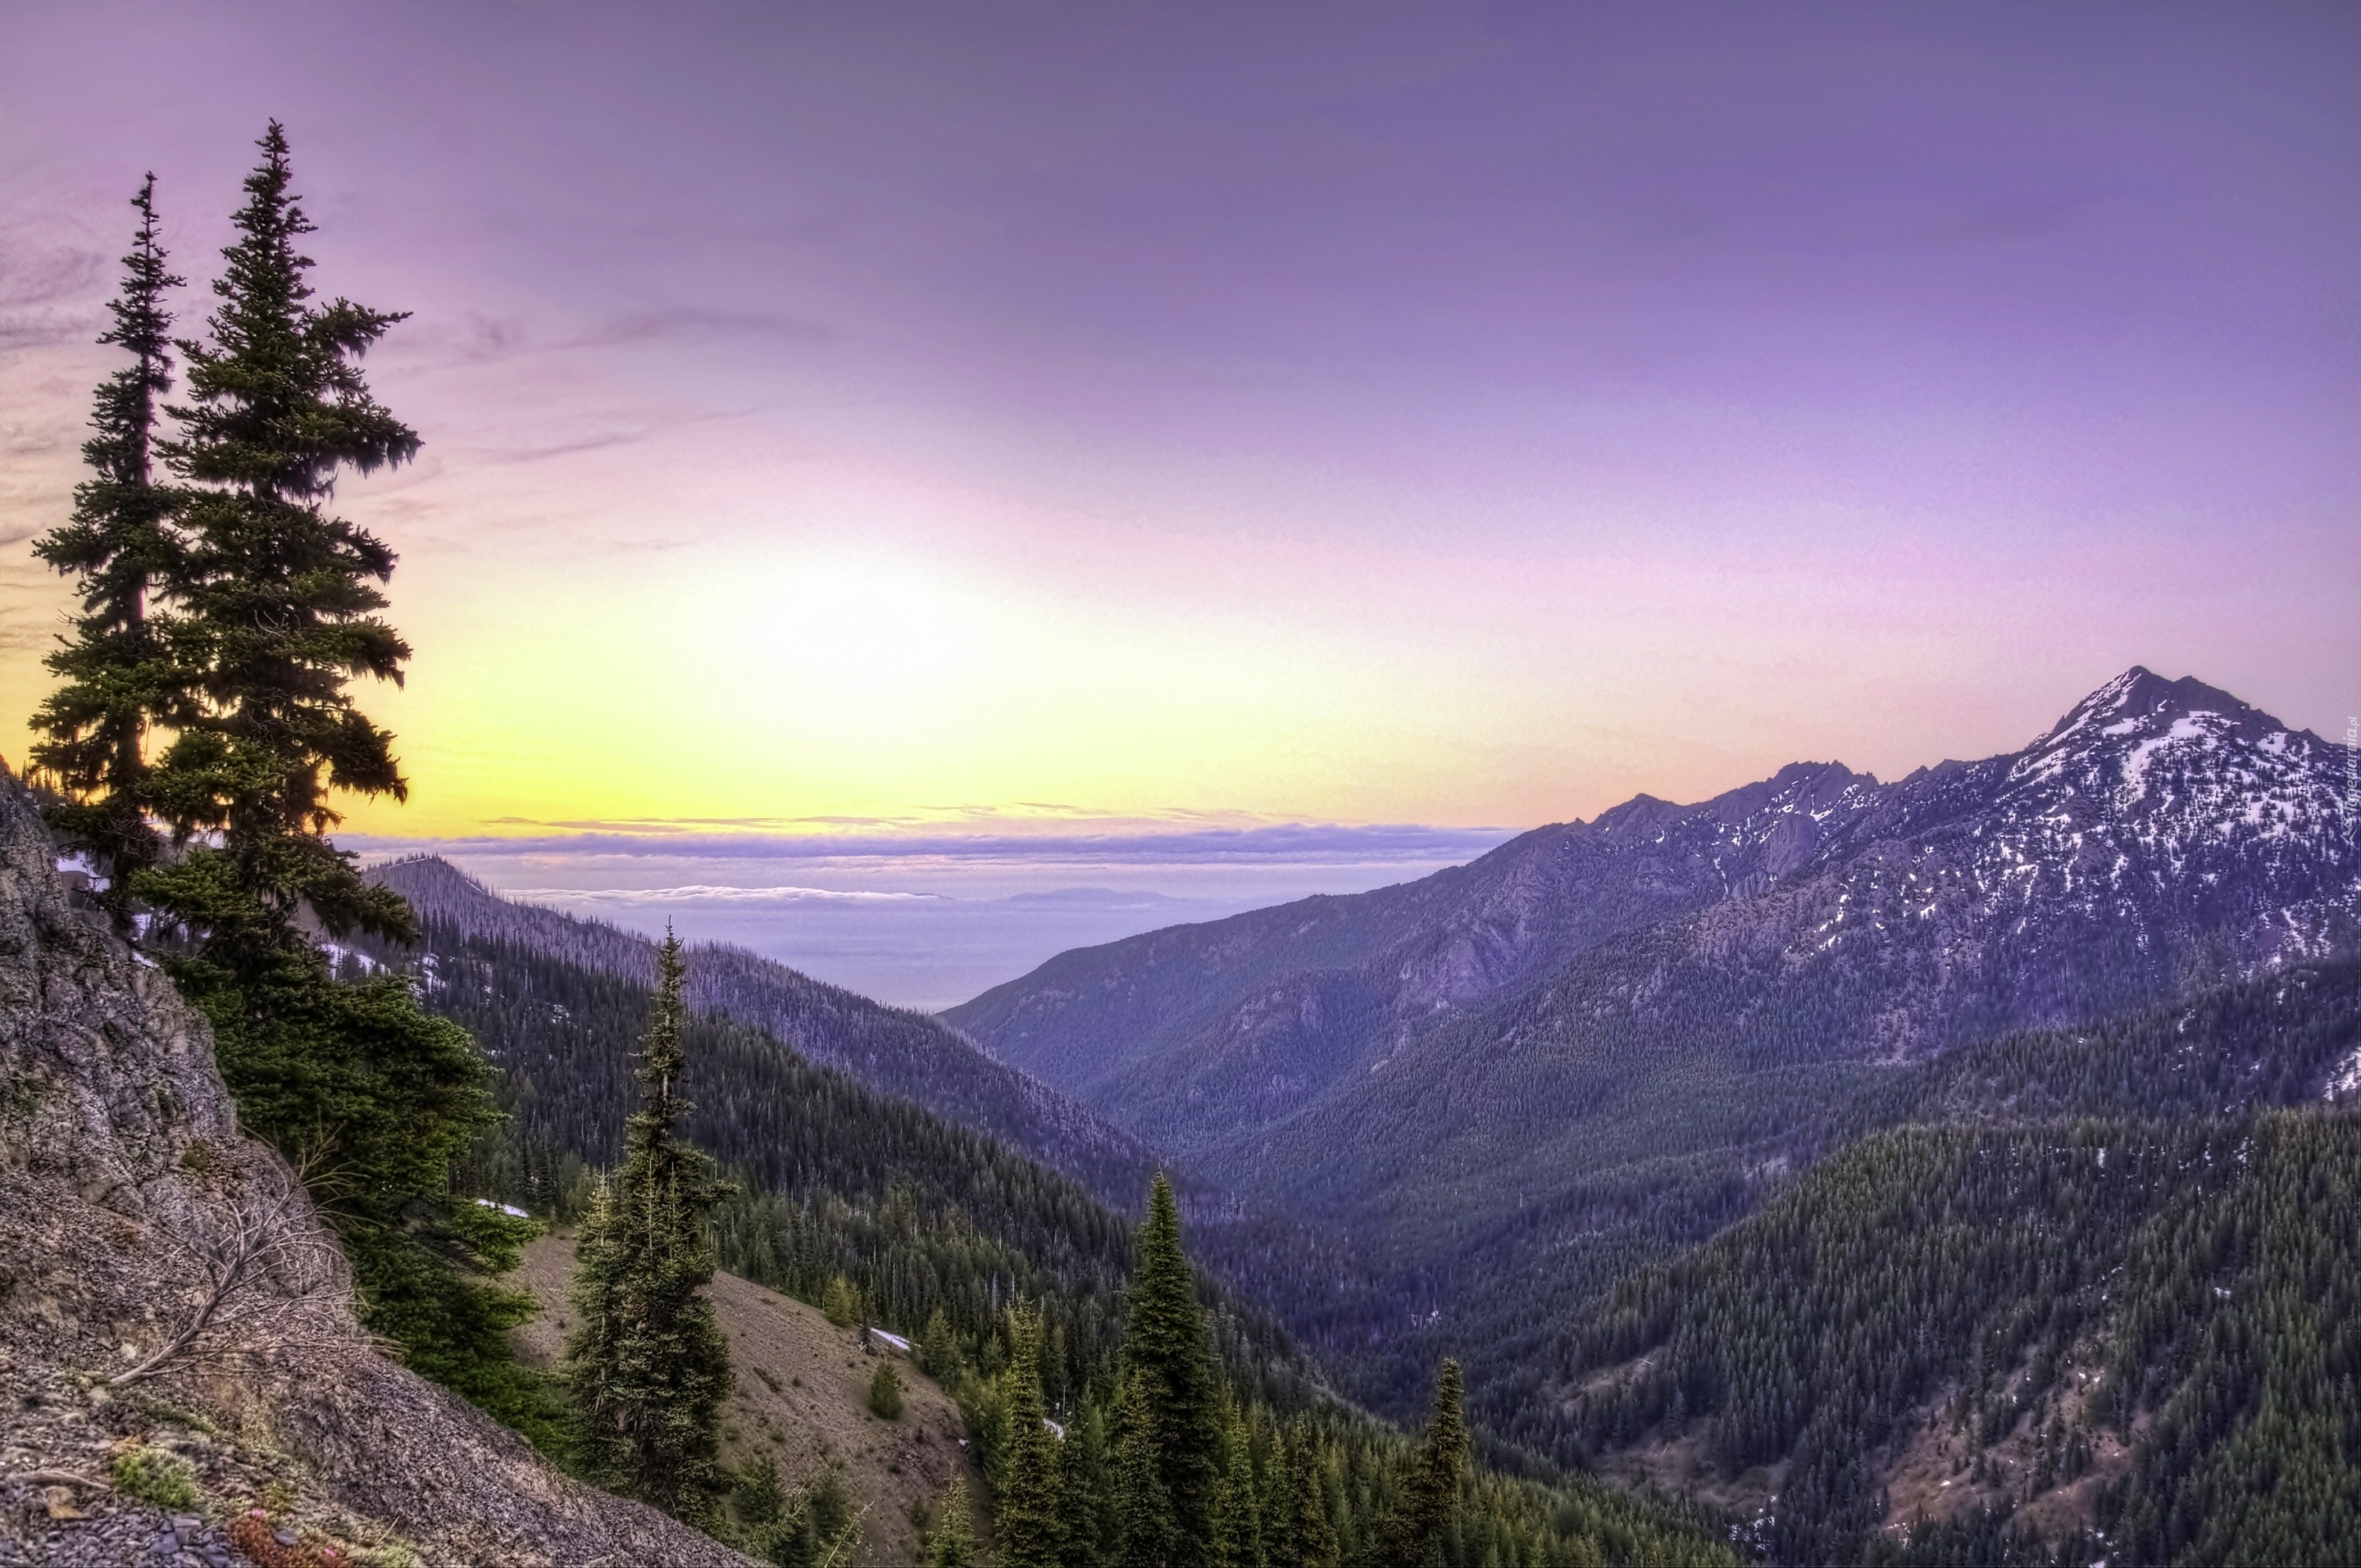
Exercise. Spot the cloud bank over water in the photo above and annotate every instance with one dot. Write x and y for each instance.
(929, 918)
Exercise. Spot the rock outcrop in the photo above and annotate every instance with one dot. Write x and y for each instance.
(283, 1435)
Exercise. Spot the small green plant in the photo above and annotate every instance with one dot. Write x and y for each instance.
(885, 1392)
(157, 1476)
(841, 1301)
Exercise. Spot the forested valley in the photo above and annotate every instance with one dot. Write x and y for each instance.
(1012, 1283)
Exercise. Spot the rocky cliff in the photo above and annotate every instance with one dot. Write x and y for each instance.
(182, 1376)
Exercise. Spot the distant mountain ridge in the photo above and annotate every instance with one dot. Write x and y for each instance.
(2161, 830)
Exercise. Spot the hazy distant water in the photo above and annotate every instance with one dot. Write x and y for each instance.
(930, 923)
(924, 952)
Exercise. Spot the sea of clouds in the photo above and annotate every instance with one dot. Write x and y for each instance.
(929, 918)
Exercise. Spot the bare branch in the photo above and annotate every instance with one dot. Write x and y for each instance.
(270, 1281)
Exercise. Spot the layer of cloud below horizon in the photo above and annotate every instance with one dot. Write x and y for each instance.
(929, 920)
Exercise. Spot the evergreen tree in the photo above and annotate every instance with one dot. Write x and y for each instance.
(885, 1391)
(1166, 1360)
(358, 1082)
(1029, 1520)
(1299, 1533)
(1148, 1535)
(1427, 1509)
(119, 681)
(952, 1544)
(937, 1348)
(1235, 1539)
(648, 1364)
(276, 602)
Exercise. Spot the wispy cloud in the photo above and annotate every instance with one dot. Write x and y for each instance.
(692, 839)
(709, 894)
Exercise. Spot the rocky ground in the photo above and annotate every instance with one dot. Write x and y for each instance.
(291, 1444)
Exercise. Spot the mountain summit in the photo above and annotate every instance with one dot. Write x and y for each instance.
(2159, 829)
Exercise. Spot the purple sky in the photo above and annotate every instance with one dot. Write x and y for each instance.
(1449, 414)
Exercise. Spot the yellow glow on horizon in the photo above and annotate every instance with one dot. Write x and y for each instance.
(727, 684)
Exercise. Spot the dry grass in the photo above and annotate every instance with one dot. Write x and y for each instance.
(801, 1397)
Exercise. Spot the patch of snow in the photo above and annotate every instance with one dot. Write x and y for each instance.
(510, 1210)
(340, 955)
(897, 1341)
(78, 865)
(2345, 1078)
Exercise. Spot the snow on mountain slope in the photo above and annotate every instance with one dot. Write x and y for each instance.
(2162, 831)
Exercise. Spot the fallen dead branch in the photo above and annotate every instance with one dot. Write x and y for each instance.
(271, 1283)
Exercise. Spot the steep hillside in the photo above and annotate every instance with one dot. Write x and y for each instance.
(835, 1177)
(889, 1049)
(935, 1228)
(2133, 1341)
(1196, 1034)
(800, 1401)
(125, 1188)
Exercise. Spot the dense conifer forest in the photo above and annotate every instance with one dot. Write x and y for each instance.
(2171, 1296)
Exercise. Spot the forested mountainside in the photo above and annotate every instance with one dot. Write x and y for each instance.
(916, 1212)
(890, 1049)
(2278, 1052)
(884, 1212)
(2137, 1342)
(890, 1052)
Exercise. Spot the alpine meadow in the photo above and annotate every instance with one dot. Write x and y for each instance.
(909, 821)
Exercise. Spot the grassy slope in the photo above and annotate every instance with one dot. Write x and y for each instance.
(802, 1396)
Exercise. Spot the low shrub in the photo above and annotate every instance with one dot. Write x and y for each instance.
(157, 1476)
(885, 1392)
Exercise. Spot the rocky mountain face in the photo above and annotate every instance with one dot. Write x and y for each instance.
(893, 1050)
(1195, 1034)
(2163, 831)
(127, 1196)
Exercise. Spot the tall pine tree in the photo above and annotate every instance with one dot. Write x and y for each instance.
(1165, 1359)
(1426, 1511)
(277, 601)
(118, 680)
(1146, 1533)
(1029, 1518)
(1235, 1539)
(648, 1364)
(258, 610)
